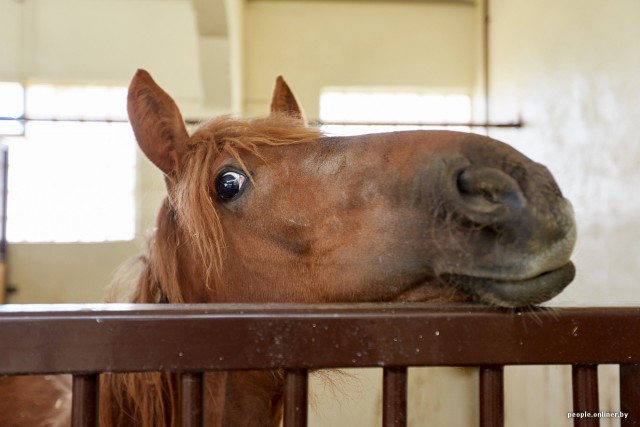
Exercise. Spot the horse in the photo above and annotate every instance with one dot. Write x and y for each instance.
(269, 209)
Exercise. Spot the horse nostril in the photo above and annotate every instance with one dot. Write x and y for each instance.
(488, 195)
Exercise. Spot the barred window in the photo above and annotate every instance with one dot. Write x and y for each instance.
(72, 173)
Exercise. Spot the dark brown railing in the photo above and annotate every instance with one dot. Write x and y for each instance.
(192, 339)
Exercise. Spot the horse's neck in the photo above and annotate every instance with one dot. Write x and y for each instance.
(232, 399)
(252, 399)
(172, 273)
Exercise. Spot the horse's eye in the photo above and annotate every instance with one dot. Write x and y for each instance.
(230, 184)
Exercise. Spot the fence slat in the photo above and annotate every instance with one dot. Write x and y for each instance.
(84, 406)
(296, 384)
(585, 394)
(491, 396)
(394, 397)
(630, 395)
(192, 405)
(89, 337)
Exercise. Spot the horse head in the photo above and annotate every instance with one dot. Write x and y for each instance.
(270, 210)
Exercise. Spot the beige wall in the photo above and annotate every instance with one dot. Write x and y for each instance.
(64, 273)
(101, 41)
(327, 43)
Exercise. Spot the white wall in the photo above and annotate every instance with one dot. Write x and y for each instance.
(571, 68)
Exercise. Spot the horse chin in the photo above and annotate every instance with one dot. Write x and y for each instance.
(513, 293)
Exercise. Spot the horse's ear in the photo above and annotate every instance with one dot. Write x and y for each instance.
(284, 101)
(156, 122)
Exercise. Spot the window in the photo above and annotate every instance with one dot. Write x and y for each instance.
(367, 110)
(72, 175)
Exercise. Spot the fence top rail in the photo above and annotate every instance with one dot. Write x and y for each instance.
(123, 337)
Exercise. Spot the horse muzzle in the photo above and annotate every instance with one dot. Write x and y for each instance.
(514, 232)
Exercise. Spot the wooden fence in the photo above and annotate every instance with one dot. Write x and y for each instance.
(86, 340)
